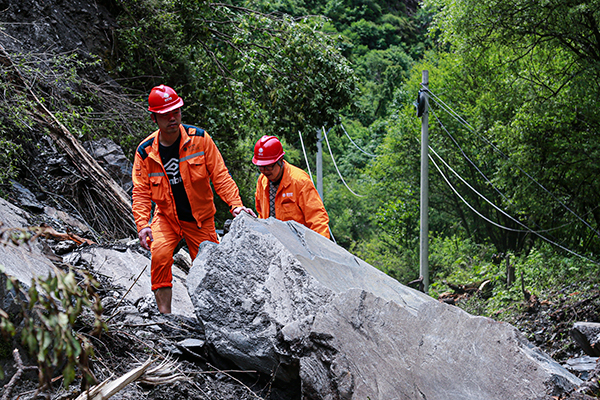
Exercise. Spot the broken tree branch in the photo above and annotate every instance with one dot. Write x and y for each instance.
(160, 374)
(20, 369)
(112, 195)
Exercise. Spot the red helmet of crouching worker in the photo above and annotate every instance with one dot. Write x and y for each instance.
(163, 99)
(268, 150)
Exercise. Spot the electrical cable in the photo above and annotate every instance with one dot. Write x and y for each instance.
(369, 154)
(331, 234)
(527, 230)
(487, 180)
(467, 157)
(496, 224)
(470, 128)
(537, 233)
(336, 167)
(305, 157)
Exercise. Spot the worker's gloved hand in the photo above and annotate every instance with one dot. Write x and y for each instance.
(145, 235)
(238, 210)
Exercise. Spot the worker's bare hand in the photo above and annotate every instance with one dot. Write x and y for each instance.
(145, 235)
(238, 210)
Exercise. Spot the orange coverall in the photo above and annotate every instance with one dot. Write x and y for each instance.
(200, 162)
(297, 199)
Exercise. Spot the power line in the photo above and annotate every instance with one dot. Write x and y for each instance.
(487, 180)
(492, 222)
(470, 128)
(478, 194)
(336, 167)
(369, 154)
(305, 157)
(467, 157)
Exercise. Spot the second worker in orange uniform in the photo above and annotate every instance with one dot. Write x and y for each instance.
(284, 191)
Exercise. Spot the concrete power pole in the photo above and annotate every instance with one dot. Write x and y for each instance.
(422, 109)
(320, 164)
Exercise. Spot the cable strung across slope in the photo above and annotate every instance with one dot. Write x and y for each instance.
(462, 121)
(336, 167)
(355, 145)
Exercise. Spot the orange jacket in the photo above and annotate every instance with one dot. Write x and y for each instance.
(200, 163)
(296, 199)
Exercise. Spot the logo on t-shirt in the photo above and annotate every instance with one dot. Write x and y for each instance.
(172, 169)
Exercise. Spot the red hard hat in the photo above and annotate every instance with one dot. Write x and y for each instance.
(267, 150)
(163, 99)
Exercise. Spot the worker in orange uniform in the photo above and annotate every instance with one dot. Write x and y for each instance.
(173, 168)
(284, 191)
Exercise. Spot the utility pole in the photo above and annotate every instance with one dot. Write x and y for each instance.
(320, 164)
(423, 112)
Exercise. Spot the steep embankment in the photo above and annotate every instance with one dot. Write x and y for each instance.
(57, 94)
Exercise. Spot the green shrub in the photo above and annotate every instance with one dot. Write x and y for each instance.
(47, 312)
(541, 271)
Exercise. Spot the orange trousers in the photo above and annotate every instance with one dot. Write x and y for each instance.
(167, 237)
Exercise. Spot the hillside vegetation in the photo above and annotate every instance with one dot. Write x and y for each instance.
(514, 123)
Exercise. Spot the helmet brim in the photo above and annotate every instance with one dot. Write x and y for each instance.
(166, 109)
(268, 161)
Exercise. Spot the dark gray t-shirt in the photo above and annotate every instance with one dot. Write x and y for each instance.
(170, 159)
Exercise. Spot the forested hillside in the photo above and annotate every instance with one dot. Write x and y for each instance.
(513, 135)
(513, 121)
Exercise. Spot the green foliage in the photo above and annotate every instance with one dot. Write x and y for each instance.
(239, 71)
(459, 261)
(384, 253)
(523, 86)
(462, 262)
(522, 25)
(47, 312)
(10, 153)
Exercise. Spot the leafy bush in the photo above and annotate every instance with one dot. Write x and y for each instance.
(541, 271)
(459, 261)
(46, 314)
(386, 255)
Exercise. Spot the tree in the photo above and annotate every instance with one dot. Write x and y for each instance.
(524, 25)
(524, 75)
(242, 70)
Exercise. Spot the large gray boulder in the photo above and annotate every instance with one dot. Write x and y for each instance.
(22, 262)
(281, 299)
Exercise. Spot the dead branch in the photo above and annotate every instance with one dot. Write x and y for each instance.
(157, 375)
(112, 195)
(20, 369)
(50, 233)
(128, 290)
